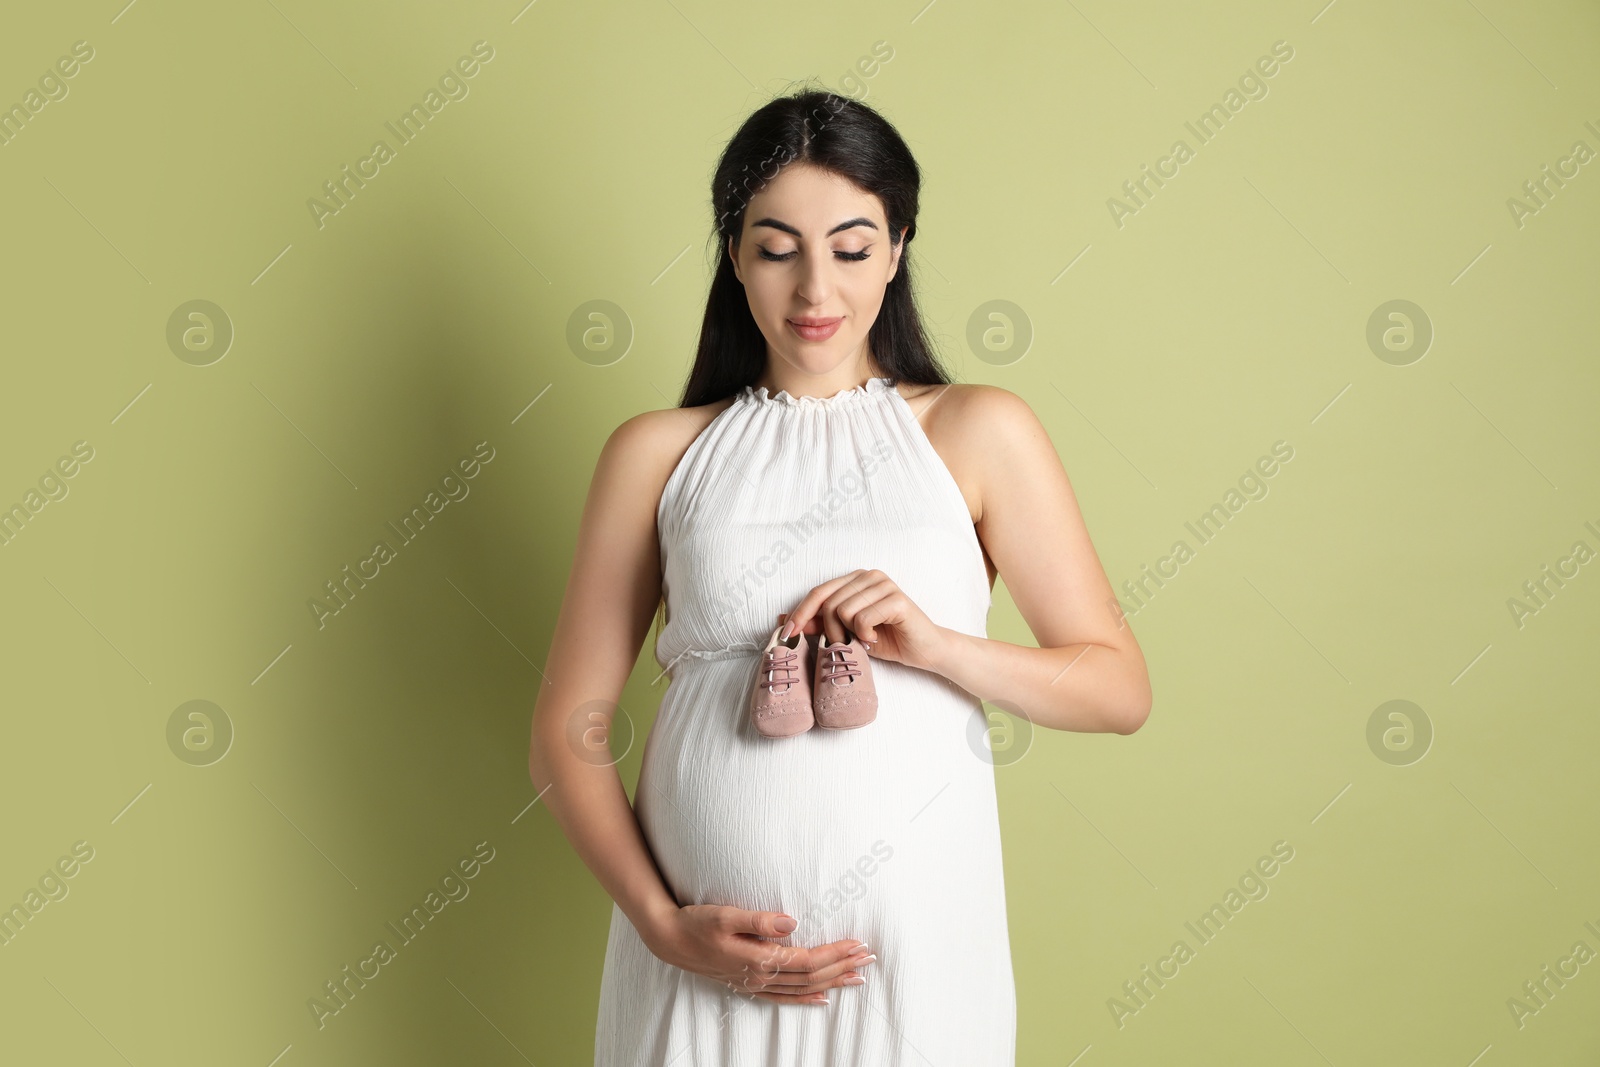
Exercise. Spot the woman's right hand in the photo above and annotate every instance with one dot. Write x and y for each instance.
(726, 944)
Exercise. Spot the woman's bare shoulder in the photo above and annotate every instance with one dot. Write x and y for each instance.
(650, 445)
(962, 402)
(966, 423)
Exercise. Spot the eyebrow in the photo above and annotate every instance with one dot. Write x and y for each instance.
(786, 228)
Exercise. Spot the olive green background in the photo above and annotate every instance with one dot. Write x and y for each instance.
(1435, 869)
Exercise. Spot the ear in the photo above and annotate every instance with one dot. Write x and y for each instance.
(735, 257)
(899, 250)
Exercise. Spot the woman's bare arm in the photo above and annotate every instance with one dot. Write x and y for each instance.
(1088, 673)
(611, 594)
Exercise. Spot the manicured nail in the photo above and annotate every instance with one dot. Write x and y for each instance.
(788, 631)
(856, 980)
(859, 948)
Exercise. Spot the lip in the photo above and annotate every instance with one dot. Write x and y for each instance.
(814, 329)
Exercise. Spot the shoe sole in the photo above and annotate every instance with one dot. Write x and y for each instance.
(790, 733)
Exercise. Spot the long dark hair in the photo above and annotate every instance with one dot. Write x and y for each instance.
(852, 140)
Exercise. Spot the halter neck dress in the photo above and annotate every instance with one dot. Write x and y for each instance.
(888, 833)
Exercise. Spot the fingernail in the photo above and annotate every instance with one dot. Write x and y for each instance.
(785, 925)
(860, 948)
(857, 980)
(788, 630)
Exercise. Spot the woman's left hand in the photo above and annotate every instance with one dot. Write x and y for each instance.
(872, 607)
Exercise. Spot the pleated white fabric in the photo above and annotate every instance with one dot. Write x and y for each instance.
(888, 833)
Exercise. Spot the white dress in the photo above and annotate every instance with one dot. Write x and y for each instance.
(888, 833)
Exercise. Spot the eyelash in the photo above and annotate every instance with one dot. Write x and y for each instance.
(853, 257)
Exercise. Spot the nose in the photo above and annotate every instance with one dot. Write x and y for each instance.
(816, 283)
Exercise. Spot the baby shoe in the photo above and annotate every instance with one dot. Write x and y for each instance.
(780, 703)
(843, 696)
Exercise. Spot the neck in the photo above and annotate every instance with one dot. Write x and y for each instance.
(798, 384)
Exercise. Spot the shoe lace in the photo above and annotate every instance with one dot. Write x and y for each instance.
(839, 666)
(784, 661)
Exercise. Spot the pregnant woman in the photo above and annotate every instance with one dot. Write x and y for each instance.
(830, 896)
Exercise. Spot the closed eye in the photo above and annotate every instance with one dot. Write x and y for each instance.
(853, 257)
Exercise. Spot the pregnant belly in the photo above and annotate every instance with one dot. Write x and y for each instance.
(819, 825)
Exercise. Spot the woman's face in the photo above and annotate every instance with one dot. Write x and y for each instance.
(815, 248)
